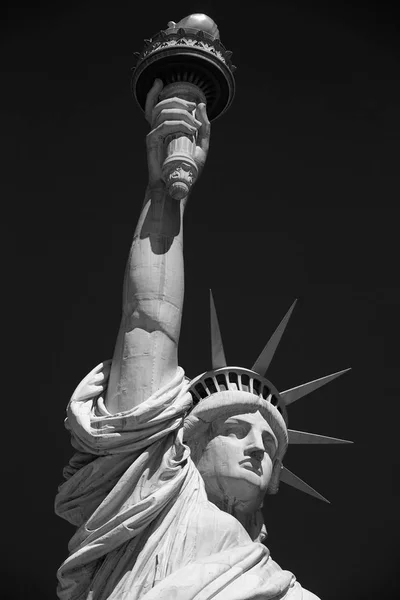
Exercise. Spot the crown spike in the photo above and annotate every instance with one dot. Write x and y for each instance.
(217, 348)
(291, 479)
(295, 393)
(302, 437)
(263, 361)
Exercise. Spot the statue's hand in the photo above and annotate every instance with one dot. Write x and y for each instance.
(173, 115)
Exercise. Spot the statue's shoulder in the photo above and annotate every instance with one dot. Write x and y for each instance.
(214, 531)
(307, 595)
(296, 591)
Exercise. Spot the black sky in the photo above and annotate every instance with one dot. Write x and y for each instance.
(299, 198)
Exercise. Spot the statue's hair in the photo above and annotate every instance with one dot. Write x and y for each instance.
(199, 439)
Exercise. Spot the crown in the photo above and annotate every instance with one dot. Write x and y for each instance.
(188, 51)
(236, 379)
(224, 378)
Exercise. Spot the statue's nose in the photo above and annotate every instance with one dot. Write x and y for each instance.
(257, 453)
(256, 444)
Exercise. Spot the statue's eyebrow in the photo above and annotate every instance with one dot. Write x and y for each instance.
(236, 421)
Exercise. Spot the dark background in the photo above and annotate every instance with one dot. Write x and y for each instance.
(299, 199)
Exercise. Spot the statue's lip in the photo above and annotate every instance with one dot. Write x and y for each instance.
(252, 465)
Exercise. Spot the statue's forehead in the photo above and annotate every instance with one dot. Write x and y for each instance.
(254, 418)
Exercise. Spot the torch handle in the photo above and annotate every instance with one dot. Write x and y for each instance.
(179, 168)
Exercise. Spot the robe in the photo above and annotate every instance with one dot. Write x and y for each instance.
(145, 528)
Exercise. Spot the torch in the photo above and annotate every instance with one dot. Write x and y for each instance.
(193, 65)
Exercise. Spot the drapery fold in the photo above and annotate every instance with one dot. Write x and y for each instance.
(145, 528)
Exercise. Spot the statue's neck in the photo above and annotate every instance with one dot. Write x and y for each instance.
(252, 521)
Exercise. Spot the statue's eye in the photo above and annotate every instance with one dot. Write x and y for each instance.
(269, 445)
(235, 429)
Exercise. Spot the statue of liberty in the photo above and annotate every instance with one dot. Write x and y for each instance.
(169, 475)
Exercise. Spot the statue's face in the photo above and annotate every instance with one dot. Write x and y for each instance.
(237, 462)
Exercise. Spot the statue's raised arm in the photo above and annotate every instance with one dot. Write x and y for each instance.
(145, 355)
